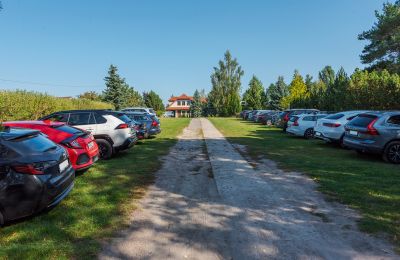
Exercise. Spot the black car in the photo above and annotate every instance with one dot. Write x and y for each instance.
(35, 173)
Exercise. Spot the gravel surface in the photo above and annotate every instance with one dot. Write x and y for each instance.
(209, 202)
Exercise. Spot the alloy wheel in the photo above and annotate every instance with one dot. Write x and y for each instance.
(394, 153)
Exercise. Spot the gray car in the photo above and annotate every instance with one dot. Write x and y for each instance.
(375, 132)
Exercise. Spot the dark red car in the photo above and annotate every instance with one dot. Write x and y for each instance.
(82, 149)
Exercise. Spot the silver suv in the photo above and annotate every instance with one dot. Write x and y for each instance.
(375, 132)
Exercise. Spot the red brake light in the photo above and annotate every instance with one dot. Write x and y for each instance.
(122, 126)
(331, 124)
(28, 169)
(371, 129)
(286, 117)
(154, 123)
(296, 123)
(73, 144)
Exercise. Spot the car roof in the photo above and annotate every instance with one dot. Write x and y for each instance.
(38, 122)
(382, 113)
(84, 110)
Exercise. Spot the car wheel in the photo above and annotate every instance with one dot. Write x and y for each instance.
(105, 149)
(392, 152)
(309, 133)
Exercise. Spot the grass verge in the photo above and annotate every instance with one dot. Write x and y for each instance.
(98, 205)
(363, 182)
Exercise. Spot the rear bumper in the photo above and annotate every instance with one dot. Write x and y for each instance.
(127, 144)
(362, 145)
(154, 131)
(62, 196)
(326, 138)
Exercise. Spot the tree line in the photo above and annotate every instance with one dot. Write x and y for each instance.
(375, 87)
(121, 95)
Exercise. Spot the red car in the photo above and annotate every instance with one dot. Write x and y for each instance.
(82, 149)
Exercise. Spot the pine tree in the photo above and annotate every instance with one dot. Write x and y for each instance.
(254, 95)
(196, 108)
(153, 100)
(225, 93)
(276, 92)
(298, 93)
(114, 92)
(132, 98)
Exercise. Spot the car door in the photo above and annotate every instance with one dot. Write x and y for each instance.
(393, 126)
(84, 121)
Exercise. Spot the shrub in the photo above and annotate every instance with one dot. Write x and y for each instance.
(29, 105)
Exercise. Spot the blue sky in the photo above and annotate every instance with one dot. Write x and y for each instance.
(172, 46)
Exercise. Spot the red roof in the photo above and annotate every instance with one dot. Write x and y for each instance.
(181, 97)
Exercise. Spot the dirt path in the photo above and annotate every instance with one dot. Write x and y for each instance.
(208, 202)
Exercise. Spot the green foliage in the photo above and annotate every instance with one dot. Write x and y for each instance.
(26, 105)
(196, 109)
(224, 97)
(118, 92)
(91, 95)
(254, 95)
(153, 100)
(275, 93)
(299, 94)
(383, 50)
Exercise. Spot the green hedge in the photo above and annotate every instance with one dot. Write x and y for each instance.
(28, 105)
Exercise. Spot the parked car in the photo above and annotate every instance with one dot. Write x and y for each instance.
(375, 132)
(111, 133)
(35, 173)
(81, 147)
(257, 115)
(331, 128)
(303, 125)
(151, 122)
(285, 116)
(139, 110)
(269, 118)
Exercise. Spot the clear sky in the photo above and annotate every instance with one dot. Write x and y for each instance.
(172, 46)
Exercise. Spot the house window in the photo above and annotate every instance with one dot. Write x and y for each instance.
(179, 103)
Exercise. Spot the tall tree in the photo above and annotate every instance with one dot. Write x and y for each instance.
(298, 93)
(196, 108)
(153, 100)
(383, 50)
(254, 95)
(276, 92)
(132, 98)
(225, 93)
(115, 88)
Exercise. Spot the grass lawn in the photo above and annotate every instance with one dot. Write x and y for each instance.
(97, 206)
(363, 182)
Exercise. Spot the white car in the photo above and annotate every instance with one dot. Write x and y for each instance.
(331, 128)
(111, 130)
(140, 109)
(303, 125)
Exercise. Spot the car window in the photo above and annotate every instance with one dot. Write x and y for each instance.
(293, 118)
(335, 116)
(309, 118)
(34, 143)
(394, 120)
(59, 118)
(99, 119)
(320, 116)
(79, 119)
(68, 129)
(362, 120)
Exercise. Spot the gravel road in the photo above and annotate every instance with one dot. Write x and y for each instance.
(209, 202)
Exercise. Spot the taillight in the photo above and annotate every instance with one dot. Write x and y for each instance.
(296, 123)
(154, 123)
(286, 117)
(73, 144)
(122, 126)
(331, 124)
(29, 169)
(371, 130)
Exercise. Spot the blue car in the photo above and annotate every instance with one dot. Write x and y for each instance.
(149, 121)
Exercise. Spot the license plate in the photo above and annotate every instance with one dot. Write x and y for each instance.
(90, 145)
(351, 132)
(63, 165)
(317, 134)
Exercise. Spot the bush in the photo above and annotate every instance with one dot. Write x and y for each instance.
(29, 105)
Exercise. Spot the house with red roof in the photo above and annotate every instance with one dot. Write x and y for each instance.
(180, 105)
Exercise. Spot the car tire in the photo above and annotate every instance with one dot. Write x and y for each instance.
(105, 149)
(391, 153)
(309, 133)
